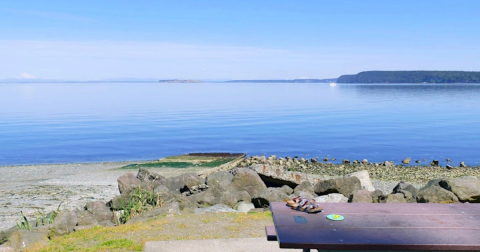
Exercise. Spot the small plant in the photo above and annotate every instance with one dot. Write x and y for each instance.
(141, 200)
(24, 224)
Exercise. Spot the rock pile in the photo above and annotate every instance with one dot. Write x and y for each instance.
(238, 190)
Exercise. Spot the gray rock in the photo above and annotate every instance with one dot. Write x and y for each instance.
(63, 224)
(365, 161)
(21, 239)
(127, 182)
(406, 160)
(147, 176)
(120, 201)
(187, 205)
(467, 189)
(462, 164)
(403, 186)
(169, 208)
(100, 211)
(332, 198)
(449, 167)
(376, 195)
(248, 180)
(435, 194)
(215, 209)
(395, 198)
(361, 196)
(287, 189)
(86, 220)
(305, 186)
(263, 198)
(364, 178)
(244, 196)
(183, 182)
(418, 161)
(244, 207)
(434, 163)
(222, 178)
(345, 186)
(345, 161)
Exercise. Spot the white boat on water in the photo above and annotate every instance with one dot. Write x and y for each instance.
(332, 84)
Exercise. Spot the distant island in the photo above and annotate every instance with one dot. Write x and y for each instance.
(411, 77)
(286, 81)
(180, 81)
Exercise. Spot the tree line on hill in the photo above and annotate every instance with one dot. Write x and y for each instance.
(411, 77)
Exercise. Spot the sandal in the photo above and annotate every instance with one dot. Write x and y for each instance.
(314, 208)
(308, 203)
(294, 201)
(301, 204)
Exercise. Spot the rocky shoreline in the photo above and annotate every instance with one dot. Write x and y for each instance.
(100, 193)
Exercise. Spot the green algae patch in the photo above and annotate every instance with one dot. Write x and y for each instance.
(200, 160)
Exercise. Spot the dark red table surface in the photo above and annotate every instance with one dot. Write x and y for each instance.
(381, 226)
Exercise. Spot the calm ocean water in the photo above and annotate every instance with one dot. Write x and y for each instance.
(90, 122)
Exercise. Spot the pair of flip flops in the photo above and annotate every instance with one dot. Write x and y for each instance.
(306, 205)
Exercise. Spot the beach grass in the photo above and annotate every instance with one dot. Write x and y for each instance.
(132, 237)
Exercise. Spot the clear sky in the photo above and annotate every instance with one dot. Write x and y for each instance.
(278, 39)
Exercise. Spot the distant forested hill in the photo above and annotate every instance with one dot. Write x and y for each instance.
(286, 81)
(411, 77)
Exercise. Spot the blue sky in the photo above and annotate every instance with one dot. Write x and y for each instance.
(235, 39)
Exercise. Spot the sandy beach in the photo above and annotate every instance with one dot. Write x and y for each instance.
(34, 188)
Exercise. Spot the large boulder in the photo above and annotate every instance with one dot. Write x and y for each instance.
(169, 208)
(435, 194)
(222, 178)
(219, 195)
(248, 180)
(63, 224)
(345, 186)
(120, 201)
(100, 211)
(467, 189)
(147, 176)
(364, 178)
(332, 198)
(263, 198)
(305, 186)
(287, 189)
(86, 220)
(403, 187)
(21, 239)
(127, 182)
(376, 196)
(183, 182)
(361, 196)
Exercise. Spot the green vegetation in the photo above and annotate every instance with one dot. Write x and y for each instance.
(132, 237)
(411, 77)
(183, 163)
(24, 224)
(141, 200)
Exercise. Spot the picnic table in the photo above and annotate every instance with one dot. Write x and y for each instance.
(380, 226)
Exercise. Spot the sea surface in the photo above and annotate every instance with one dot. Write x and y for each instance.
(43, 123)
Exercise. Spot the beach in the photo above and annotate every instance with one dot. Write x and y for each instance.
(43, 188)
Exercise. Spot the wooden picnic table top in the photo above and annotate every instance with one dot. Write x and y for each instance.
(380, 226)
